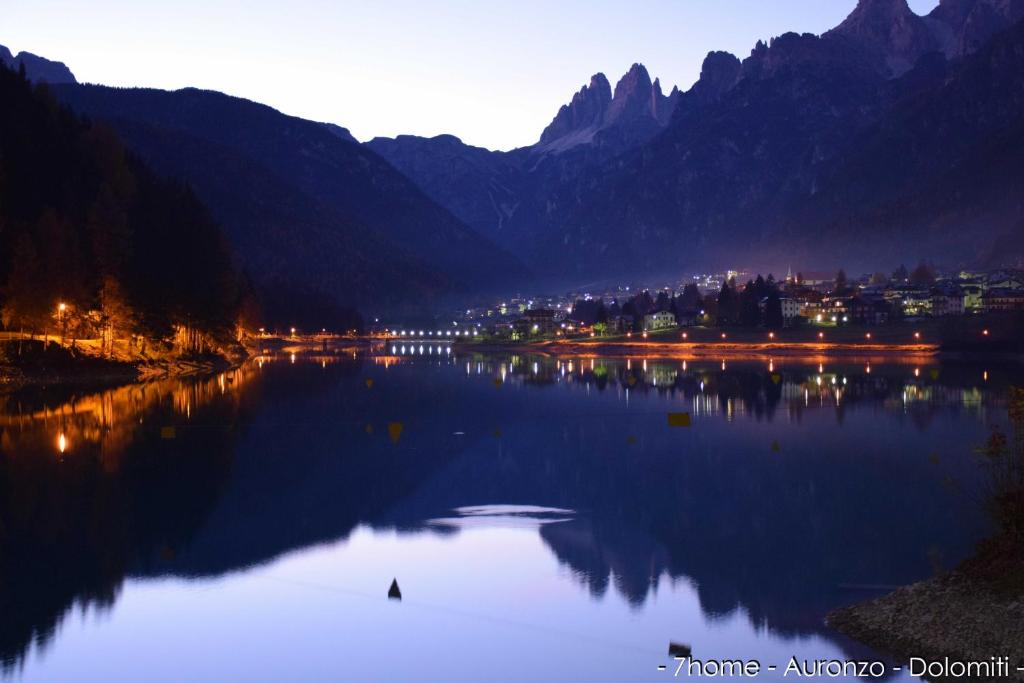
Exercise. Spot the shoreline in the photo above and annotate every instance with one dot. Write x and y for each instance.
(953, 616)
(101, 372)
(972, 613)
(716, 349)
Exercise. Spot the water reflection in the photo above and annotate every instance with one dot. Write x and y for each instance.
(798, 486)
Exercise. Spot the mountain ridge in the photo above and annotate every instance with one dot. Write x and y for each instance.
(391, 244)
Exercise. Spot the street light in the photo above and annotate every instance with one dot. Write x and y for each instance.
(61, 308)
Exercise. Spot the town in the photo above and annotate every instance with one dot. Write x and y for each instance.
(740, 300)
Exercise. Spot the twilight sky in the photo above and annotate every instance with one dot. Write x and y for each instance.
(493, 73)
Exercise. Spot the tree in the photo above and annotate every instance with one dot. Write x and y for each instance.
(728, 305)
(841, 286)
(879, 279)
(87, 224)
(900, 274)
(750, 309)
(760, 287)
(773, 319)
(691, 299)
(25, 296)
(923, 275)
(116, 314)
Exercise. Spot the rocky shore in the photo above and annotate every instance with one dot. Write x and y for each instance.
(965, 615)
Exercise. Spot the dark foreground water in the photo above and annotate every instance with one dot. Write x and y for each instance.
(544, 520)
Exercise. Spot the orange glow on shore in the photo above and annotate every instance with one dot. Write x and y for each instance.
(810, 353)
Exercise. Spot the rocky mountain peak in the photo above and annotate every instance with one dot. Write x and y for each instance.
(719, 73)
(37, 68)
(633, 95)
(890, 31)
(635, 108)
(586, 110)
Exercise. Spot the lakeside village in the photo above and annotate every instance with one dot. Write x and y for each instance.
(809, 301)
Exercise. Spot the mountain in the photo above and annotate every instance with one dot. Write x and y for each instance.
(890, 32)
(305, 207)
(504, 195)
(634, 113)
(889, 137)
(818, 153)
(943, 166)
(482, 188)
(964, 26)
(37, 68)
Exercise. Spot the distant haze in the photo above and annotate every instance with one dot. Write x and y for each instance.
(492, 73)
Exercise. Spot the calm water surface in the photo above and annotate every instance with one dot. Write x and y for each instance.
(543, 519)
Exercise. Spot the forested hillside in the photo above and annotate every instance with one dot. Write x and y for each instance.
(92, 242)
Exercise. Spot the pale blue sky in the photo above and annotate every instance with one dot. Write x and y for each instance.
(493, 73)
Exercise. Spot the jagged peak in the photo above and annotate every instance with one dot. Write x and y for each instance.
(876, 16)
(600, 82)
(636, 77)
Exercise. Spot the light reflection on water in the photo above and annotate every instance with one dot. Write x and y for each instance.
(541, 514)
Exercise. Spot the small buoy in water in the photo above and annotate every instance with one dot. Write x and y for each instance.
(369, 384)
(679, 650)
(678, 419)
(776, 447)
(395, 431)
(394, 593)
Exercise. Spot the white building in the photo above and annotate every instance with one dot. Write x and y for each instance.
(661, 320)
(790, 309)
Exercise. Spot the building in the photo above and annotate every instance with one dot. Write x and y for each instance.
(791, 309)
(659, 320)
(869, 310)
(535, 322)
(973, 289)
(1006, 279)
(949, 301)
(541, 320)
(1000, 300)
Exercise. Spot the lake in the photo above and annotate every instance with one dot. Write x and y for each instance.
(545, 518)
